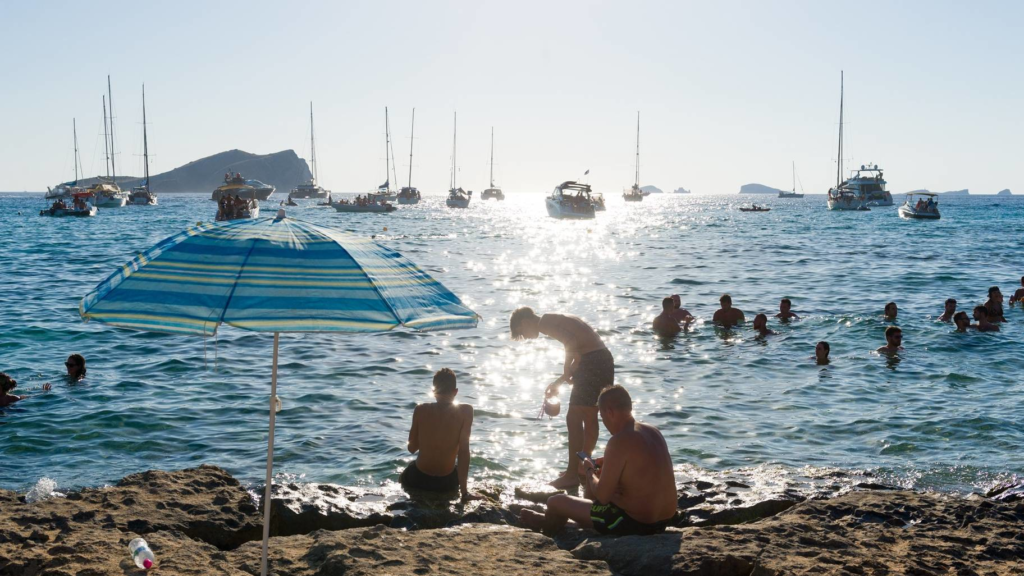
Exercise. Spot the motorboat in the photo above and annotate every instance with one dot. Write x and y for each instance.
(458, 198)
(107, 195)
(408, 195)
(80, 207)
(246, 189)
(142, 195)
(363, 205)
(310, 189)
(246, 208)
(635, 194)
(868, 182)
(843, 196)
(926, 206)
(493, 191)
(290, 201)
(570, 200)
(754, 208)
(598, 201)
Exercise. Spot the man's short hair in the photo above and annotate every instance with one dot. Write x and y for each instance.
(950, 300)
(516, 320)
(725, 298)
(616, 398)
(993, 289)
(444, 381)
(825, 344)
(667, 303)
(961, 314)
(892, 330)
(786, 301)
(981, 310)
(888, 305)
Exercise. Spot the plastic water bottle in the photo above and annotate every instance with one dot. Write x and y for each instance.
(141, 554)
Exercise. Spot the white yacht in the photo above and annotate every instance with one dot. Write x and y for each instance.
(869, 183)
(793, 194)
(310, 189)
(457, 197)
(635, 194)
(141, 195)
(925, 208)
(570, 200)
(384, 191)
(492, 191)
(109, 194)
(410, 194)
(843, 196)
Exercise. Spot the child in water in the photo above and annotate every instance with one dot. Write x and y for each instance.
(6, 385)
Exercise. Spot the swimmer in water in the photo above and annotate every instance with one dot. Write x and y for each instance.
(893, 341)
(890, 311)
(665, 324)
(984, 324)
(761, 326)
(682, 315)
(727, 316)
(589, 368)
(821, 353)
(1018, 296)
(75, 365)
(962, 321)
(7, 384)
(949, 311)
(994, 305)
(784, 310)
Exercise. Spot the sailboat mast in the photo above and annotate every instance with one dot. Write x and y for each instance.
(794, 176)
(455, 133)
(412, 135)
(106, 150)
(110, 100)
(839, 171)
(391, 150)
(312, 142)
(145, 141)
(74, 130)
(492, 156)
(636, 182)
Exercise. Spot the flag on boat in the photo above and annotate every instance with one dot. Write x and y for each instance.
(587, 172)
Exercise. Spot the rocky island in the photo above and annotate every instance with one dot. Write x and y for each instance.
(203, 521)
(758, 189)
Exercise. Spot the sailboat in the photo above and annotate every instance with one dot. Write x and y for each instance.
(409, 194)
(384, 191)
(843, 197)
(109, 194)
(793, 194)
(142, 195)
(66, 189)
(457, 197)
(310, 189)
(492, 191)
(635, 194)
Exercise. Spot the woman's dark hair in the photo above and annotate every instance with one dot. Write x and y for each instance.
(888, 305)
(825, 344)
(79, 361)
(993, 289)
(6, 383)
(981, 310)
(961, 314)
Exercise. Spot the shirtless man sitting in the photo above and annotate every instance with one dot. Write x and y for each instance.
(893, 341)
(785, 310)
(984, 324)
(728, 316)
(440, 433)
(1018, 296)
(994, 305)
(761, 326)
(631, 490)
(665, 324)
(949, 311)
(679, 313)
(589, 367)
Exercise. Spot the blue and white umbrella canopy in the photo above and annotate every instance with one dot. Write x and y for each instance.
(272, 275)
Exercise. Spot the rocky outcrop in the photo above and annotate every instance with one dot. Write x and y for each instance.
(758, 189)
(202, 521)
(1004, 192)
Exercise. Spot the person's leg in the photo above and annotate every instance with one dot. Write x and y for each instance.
(591, 428)
(574, 422)
(561, 509)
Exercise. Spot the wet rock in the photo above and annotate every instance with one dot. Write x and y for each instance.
(735, 484)
(874, 486)
(1007, 492)
(745, 514)
(304, 508)
(687, 500)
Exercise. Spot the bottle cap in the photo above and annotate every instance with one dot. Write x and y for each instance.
(147, 563)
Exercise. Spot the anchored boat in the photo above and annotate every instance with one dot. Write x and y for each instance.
(240, 209)
(409, 194)
(570, 200)
(66, 189)
(492, 191)
(108, 194)
(793, 194)
(142, 195)
(364, 205)
(635, 194)
(79, 207)
(310, 189)
(869, 183)
(246, 189)
(925, 208)
(842, 196)
(457, 197)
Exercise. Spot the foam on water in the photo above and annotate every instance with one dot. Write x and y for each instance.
(945, 415)
(43, 489)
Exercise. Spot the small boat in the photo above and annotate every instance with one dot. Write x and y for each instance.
(492, 191)
(290, 202)
(80, 207)
(755, 208)
(361, 205)
(246, 189)
(328, 203)
(570, 200)
(926, 207)
(843, 196)
(309, 189)
(249, 208)
(409, 194)
(142, 195)
(793, 194)
(457, 197)
(635, 194)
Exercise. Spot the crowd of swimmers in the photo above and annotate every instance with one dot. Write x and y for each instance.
(231, 207)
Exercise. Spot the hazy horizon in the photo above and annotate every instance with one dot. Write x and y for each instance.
(729, 93)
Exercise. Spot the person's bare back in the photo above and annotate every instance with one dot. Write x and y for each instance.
(647, 487)
(437, 428)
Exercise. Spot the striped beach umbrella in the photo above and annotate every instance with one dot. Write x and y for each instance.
(272, 275)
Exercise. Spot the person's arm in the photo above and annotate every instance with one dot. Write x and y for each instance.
(414, 437)
(571, 359)
(603, 486)
(463, 460)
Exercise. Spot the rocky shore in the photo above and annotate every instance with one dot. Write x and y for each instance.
(203, 521)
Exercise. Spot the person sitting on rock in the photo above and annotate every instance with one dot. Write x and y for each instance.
(1018, 296)
(665, 323)
(893, 341)
(761, 326)
(821, 351)
(785, 310)
(949, 311)
(6, 385)
(890, 311)
(631, 490)
(440, 433)
(962, 321)
(728, 316)
(994, 305)
(984, 324)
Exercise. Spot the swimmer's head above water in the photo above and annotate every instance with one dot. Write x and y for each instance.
(7, 384)
(75, 365)
(524, 324)
(890, 311)
(950, 305)
(962, 321)
(821, 352)
(726, 301)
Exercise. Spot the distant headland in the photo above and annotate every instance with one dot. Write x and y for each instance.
(758, 189)
(284, 170)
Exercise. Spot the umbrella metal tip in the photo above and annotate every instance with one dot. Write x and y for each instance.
(280, 214)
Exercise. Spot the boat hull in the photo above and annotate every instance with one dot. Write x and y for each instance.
(457, 203)
(68, 212)
(368, 209)
(250, 213)
(492, 194)
(790, 195)
(408, 201)
(245, 193)
(309, 193)
(911, 214)
(562, 211)
(632, 198)
(111, 202)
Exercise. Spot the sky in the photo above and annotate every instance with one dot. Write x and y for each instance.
(728, 92)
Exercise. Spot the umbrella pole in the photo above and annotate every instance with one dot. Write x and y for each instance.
(270, 459)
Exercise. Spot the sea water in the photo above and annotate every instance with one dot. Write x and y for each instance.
(946, 414)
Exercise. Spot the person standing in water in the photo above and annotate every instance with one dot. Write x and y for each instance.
(821, 351)
(727, 316)
(786, 310)
(962, 321)
(589, 368)
(761, 326)
(890, 311)
(949, 311)
(984, 322)
(682, 315)
(666, 324)
(1018, 296)
(440, 433)
(994, 305)
(893, 341)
